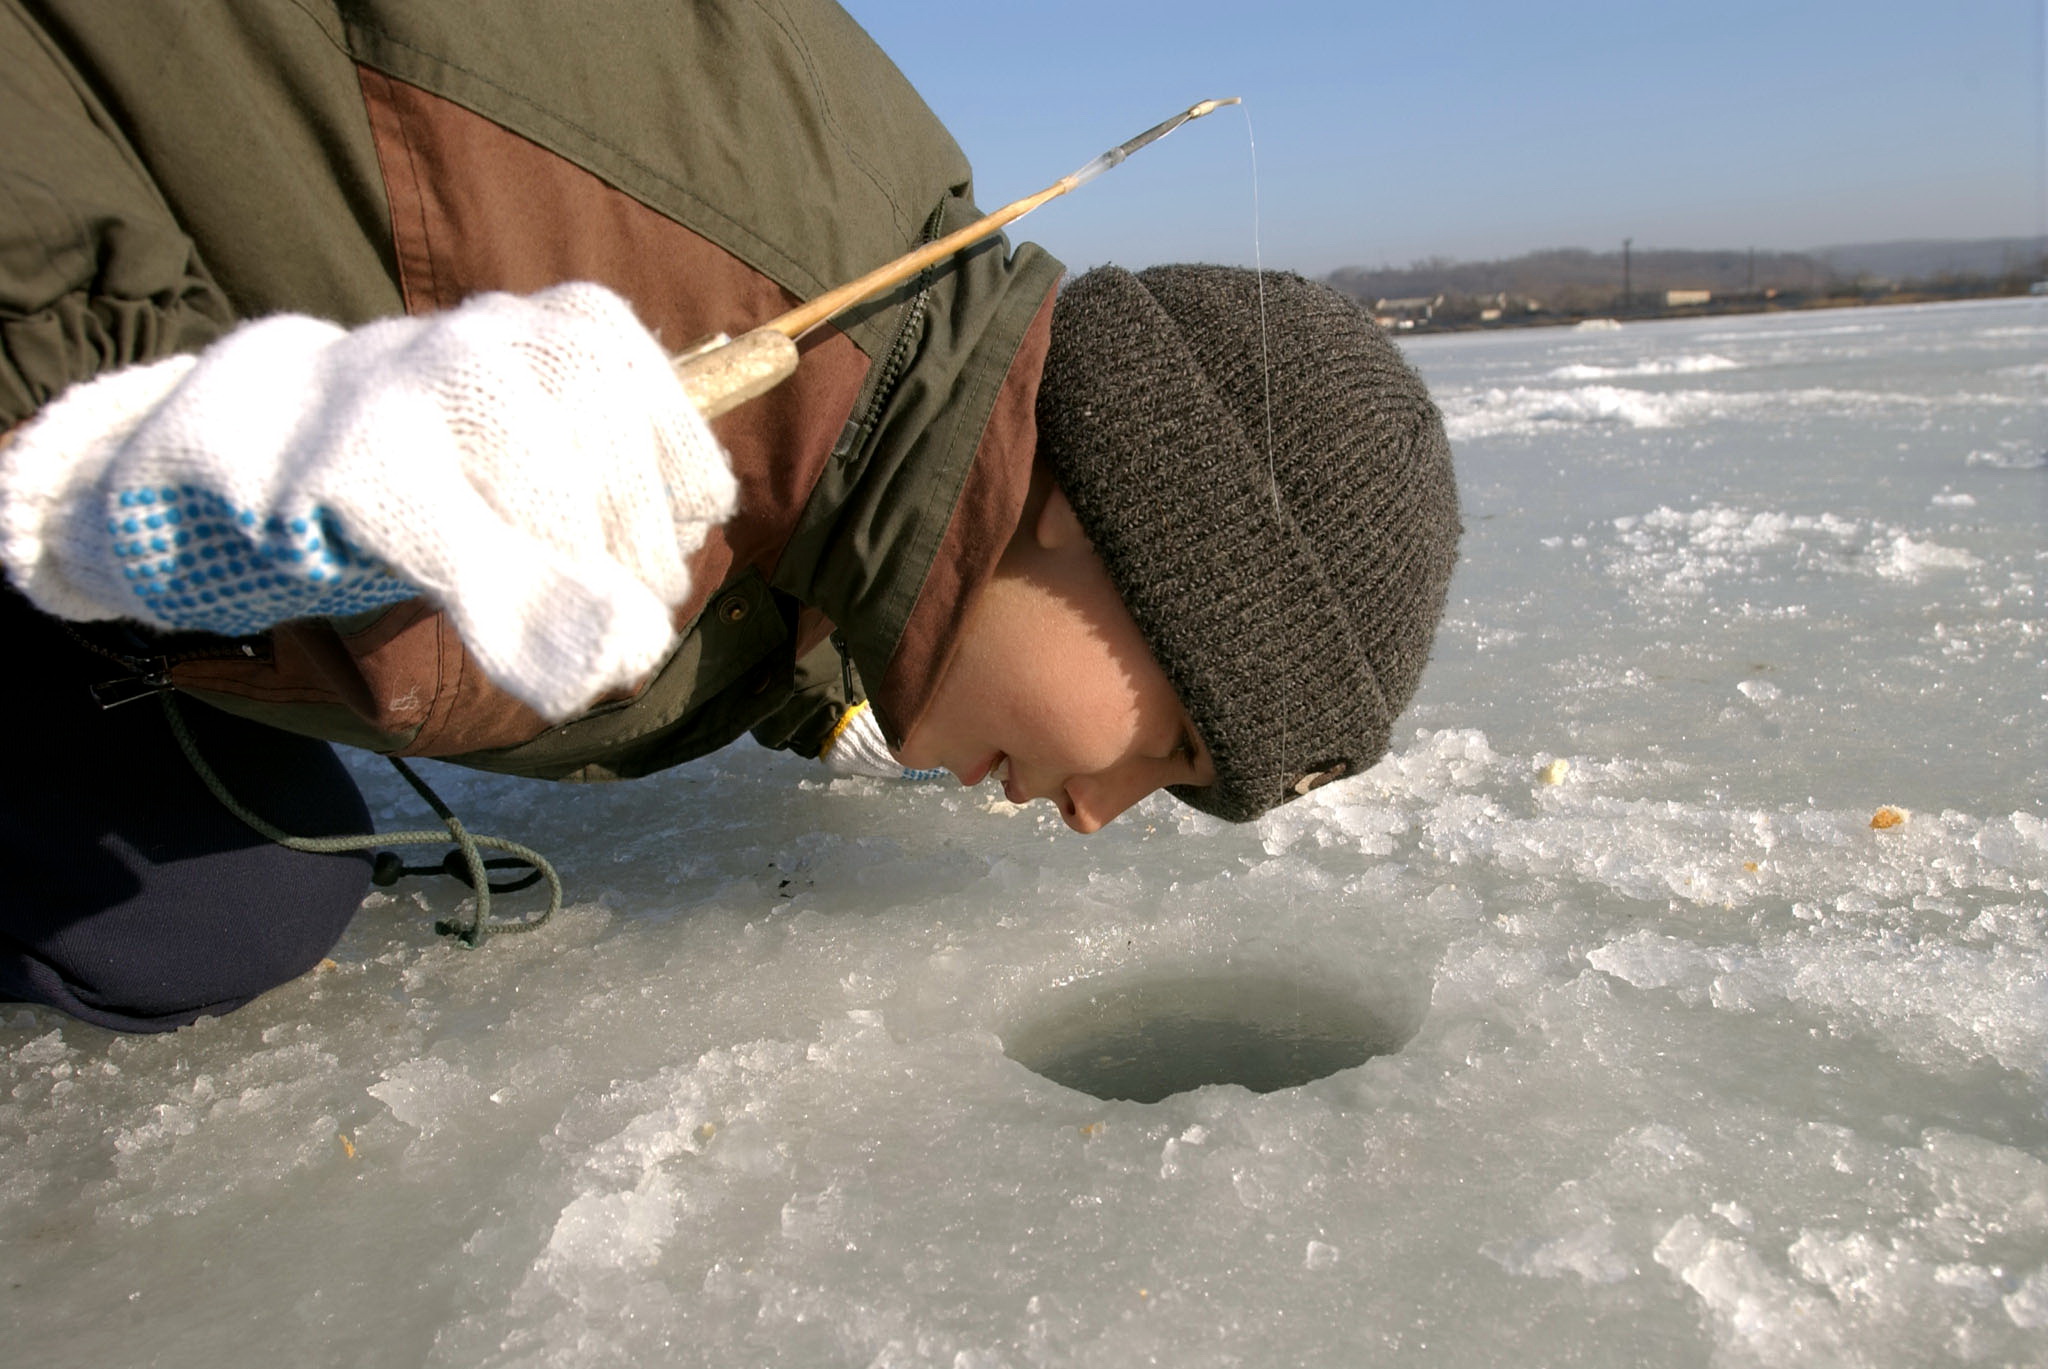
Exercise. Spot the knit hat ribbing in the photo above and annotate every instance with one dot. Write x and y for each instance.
(1292, 608)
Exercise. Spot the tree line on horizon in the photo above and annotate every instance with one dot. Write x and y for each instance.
(1578, 281)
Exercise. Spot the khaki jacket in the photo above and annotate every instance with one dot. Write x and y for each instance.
(173, 168)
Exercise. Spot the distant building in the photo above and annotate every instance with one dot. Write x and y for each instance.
(1495, 307)
(1405, 313)
(1679, 299)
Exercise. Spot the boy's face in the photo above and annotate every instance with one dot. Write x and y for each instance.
(1052, 687)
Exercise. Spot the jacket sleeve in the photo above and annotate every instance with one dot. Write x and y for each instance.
(95, 274)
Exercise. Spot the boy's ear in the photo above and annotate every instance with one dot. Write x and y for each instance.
(1057, 527)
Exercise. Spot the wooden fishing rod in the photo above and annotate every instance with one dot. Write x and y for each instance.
(721, 373)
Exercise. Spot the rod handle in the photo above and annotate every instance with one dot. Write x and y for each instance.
(723, 373)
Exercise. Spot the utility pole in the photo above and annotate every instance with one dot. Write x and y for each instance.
(1752, 270)
(1627, 294)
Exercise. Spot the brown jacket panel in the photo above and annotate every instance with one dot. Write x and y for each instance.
(983, 520)
(476, 207)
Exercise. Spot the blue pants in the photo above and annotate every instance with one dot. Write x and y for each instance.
(129, 897)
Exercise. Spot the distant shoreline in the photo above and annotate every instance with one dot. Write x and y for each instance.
(1719, 308)
(1563, 286)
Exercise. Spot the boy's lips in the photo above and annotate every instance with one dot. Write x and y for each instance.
(970, 778)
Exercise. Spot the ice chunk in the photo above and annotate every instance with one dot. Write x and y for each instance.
(2027, 1305)
(604, 1230)
(1648, 960)
(1904, 558)
(1523, 409)
(1756, 1312)
(48, 1049)
(1589, 1253)
(1693, 364)
(427, 1093)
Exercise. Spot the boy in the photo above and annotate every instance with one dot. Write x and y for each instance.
(1162, 532)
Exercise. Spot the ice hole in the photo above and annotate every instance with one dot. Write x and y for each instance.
(1148, 1039)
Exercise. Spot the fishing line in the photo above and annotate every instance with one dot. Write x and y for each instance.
(1259, 276)
(1265, 366)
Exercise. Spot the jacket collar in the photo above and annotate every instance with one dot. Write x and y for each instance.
(906, 525)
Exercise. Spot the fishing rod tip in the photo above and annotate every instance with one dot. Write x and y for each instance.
(1209, 106)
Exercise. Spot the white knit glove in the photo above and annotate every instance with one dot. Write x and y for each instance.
(857, 748)
(531, 464)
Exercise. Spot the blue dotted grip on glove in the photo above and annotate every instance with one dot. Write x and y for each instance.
(198, 562)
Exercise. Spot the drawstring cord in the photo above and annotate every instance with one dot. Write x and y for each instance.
(465, 863)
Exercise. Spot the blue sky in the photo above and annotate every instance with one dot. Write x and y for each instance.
(1392, 131)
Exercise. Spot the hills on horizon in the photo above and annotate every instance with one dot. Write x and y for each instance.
(1576, 277)
(1924, 258)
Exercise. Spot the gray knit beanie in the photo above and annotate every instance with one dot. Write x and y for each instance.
(1290, 597)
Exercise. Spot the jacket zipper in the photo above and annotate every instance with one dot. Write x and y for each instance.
(896, 360)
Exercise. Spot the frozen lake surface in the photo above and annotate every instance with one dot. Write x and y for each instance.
(1676, 1060)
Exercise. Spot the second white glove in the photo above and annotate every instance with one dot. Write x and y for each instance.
(531, 464)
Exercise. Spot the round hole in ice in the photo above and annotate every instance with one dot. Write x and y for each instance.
(1147, 1039)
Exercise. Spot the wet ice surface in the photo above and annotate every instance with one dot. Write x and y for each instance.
(1679, 1060)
